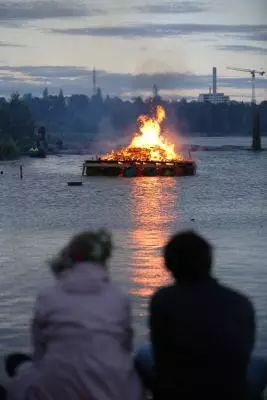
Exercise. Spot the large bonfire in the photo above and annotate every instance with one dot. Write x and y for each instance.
(149, 143)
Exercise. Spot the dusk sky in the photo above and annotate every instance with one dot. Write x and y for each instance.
(132, 44)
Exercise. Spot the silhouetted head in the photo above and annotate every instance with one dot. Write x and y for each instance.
(88, 246)
(188, 257)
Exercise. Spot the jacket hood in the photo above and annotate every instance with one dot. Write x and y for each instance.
(84, 277)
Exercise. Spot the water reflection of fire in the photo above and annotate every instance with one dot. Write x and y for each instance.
(148, 273)
(154, 209)
(148, 144)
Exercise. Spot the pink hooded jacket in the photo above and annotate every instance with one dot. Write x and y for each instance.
(82, 339)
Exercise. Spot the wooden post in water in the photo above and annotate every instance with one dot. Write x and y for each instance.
(21, 171)
(256, 133)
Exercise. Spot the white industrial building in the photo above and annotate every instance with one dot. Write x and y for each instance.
(213, 96)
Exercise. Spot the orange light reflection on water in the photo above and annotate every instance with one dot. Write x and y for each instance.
(154, 207)
(148, 271)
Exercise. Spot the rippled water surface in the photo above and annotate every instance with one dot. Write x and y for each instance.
(226, 201)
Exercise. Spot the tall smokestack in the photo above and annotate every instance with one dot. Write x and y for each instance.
(214, 74)
(94, 81)
(155, 90)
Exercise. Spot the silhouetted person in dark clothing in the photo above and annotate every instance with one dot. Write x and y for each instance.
(202, 332)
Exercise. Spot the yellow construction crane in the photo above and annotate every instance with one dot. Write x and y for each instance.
(253, 74)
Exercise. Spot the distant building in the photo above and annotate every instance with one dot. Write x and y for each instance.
(215, 99)
(213, 96)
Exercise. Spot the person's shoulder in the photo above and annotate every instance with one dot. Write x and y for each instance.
(46, 295)
(236, 297)
(163, 293)
(116, 292)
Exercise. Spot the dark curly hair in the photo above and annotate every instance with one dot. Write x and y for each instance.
(95, 246)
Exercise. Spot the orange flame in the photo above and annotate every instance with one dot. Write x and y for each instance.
(148, 144)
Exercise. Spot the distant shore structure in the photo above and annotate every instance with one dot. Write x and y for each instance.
(256, 132)
(213, 96)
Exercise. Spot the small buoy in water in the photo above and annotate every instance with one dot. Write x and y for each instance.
(192, 219)
(1, 172)
(77, 183)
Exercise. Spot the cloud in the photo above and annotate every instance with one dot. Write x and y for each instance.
(243, 48)
(181, 7)
(167, 30)
(258, 36)
(47, 71)
(24, 10)
(79, 80)
(8, 44)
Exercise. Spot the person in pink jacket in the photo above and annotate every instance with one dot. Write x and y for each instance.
(82, 333)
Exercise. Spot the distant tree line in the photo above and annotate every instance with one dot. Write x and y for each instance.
(16, 127)
(20, 116)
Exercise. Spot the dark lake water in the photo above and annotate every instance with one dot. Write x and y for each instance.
(226, 201)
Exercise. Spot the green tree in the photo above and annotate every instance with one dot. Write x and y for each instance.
(8, 149)
(45, 93)
(16, 120)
